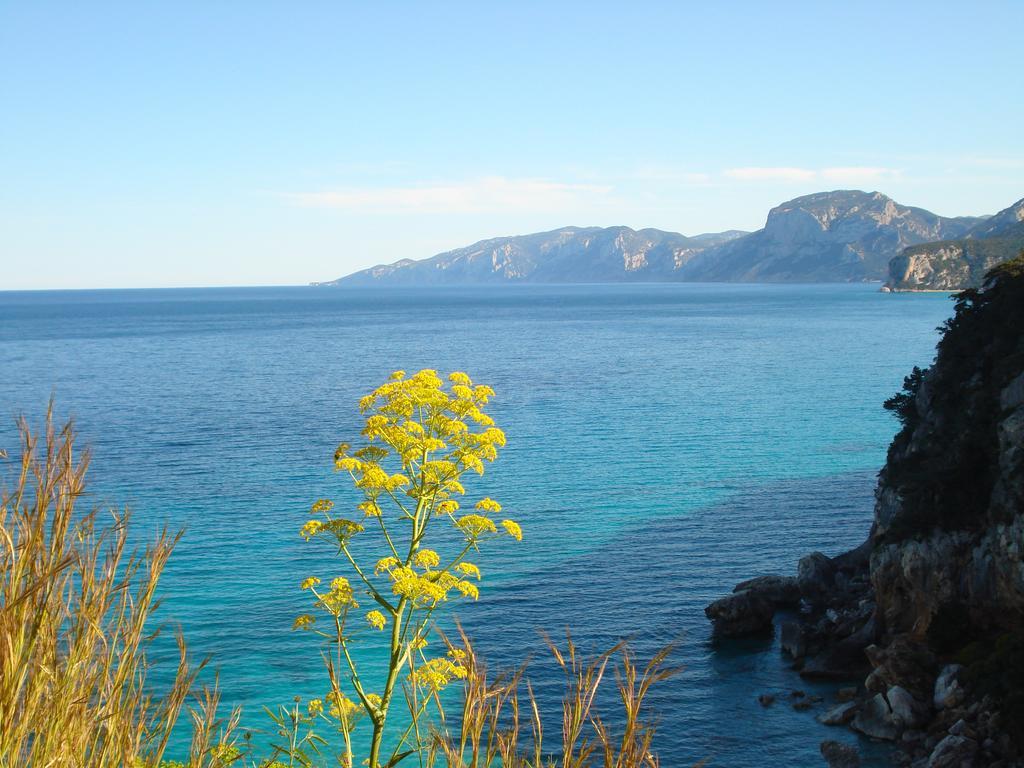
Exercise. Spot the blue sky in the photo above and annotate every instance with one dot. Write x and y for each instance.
(255, 143)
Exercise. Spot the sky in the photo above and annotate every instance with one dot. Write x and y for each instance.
(162, 144)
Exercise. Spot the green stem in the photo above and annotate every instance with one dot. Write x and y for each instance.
(389, 684)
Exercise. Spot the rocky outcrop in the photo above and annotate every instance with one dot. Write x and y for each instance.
(949, 530)
(840, 236)
(956, 264)
(931, 607)
(751, 606)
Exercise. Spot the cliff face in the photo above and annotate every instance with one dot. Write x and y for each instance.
(844, 235)
(929, 612)
(953, 265)
(573, 254)
(949, 519)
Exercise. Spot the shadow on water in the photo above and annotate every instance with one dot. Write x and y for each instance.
(651, 584)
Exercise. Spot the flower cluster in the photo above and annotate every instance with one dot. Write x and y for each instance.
(344, 710)
(437, 673)
(422, 437)
(427, 587)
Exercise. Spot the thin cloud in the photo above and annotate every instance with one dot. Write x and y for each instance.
(668, 174)
(859, 174)
(849, 174)
(493, 193)
(770, 174)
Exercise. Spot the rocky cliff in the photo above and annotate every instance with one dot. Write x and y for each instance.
(953, 265)
(569, 255)
(838, 236)
(841, 236)
(928, 615)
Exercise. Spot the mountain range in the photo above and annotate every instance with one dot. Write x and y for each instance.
(838, 236)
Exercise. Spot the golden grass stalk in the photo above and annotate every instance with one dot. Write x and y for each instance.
(490, 731)
(75, 609)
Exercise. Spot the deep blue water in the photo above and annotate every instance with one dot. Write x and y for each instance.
(665, 442)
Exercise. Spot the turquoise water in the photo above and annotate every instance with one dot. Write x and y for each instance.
(665, 442)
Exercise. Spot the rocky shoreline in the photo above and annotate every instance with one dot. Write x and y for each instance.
(926, 618)
(900, 691)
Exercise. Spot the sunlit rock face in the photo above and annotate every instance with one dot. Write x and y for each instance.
(955, 264)
(846, 235)
(569, 255)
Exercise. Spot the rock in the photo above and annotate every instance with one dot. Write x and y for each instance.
(839, 755)
(948, 691)
(844, 660)
(944, 562)
(793, 639)
(846, 694)
(802, 705)
(874, 719)
(780, 590)
(947, 559)
(766, 699)
(905, 710)
(961, 728)
(905, 663)
(886, 716)
(953, 752)
(876, 682)
(814, 575)
(741, 613)
(840, 714)
(955, 264)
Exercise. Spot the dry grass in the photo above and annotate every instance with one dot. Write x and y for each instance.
(492, 729)
(75, 610)
(76, 605)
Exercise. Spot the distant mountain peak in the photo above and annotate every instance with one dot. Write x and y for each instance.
(836, 236)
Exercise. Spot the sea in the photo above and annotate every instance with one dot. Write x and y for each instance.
(665, 441)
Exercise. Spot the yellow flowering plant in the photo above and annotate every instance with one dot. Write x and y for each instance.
(422, 438)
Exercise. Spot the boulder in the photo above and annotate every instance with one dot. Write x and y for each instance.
(814, 574)
(961, 728)
(847, 694)
(780, 590)
(874, 719)
(953, 752)
(887, 715)
(793, 639)
(741, 613)
(839, 755)
(843, 661)
(904, 662)
(840, 714)
(948, 691)
(905, 710)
